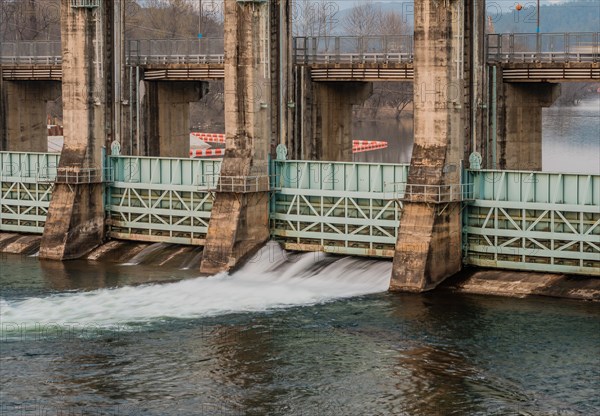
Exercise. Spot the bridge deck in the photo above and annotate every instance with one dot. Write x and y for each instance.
(545, 57)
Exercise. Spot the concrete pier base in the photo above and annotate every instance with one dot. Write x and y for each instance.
(166, 116)
(248, 219)
(519, 120)
(75, 222)
(25, 125)
(428, 248)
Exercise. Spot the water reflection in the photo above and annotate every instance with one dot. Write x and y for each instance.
(398, 134)
(570, 138)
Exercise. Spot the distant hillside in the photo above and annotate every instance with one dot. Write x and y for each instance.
(575, 16)
(569, 16)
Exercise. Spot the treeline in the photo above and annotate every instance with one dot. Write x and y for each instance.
(26, 20)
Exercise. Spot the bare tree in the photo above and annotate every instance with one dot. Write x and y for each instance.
(393, 96)
(363, 19)
(573, 92)
(392, 23)
(169, 19)
(314, 17)
(29, 20)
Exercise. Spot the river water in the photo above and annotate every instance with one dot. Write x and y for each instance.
(304, 334)
(570, 138)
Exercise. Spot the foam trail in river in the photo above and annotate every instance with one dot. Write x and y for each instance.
(272, 279)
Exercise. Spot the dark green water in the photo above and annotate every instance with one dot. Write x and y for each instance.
(306, 336)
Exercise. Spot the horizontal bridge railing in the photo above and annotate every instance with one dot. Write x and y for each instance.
(536, 221)
(353, 49)
(544, 47)
(176, 51)
(434, 194)
(501, 47)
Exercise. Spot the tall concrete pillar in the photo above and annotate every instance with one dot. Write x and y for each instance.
(166, 116)
(519, 121)
(326, 118)
(428, 248)
(26, 115)
(239, 222)
(75, 223)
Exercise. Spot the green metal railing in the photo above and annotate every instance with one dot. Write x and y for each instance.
(24, 194)
(345, 208)
(161, 199)
(536, 221)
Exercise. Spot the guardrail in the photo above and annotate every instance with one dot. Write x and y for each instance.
(434, 194)
(31, 52)
(176, 51)
(353, 49)
(501, 47)
(543, 47)
(239, 184)
(75, 175)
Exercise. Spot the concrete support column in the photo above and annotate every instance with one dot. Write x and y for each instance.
(26, 115)
(75, 223)
(519, 121)
(428, 248)
(239, 221)
(166, 116)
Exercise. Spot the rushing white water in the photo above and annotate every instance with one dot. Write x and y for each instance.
(272, 279)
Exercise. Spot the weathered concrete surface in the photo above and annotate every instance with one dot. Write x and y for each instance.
(166, 116)
(522, 284)
(75, 223)
(25, 125)
(519, 121)
(239, 221)
(326, 118)
(25, 244)
(19, 243)
(248, 218)
(428, 248)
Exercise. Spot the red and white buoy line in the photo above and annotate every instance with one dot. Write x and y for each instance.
(367, 145)
(357, 145)
(210, 137)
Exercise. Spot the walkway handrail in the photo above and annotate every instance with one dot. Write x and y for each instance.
(434, 194)
(544, 47)
(501, 47)
(353, 49)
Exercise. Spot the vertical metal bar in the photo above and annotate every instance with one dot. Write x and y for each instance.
(494, 99)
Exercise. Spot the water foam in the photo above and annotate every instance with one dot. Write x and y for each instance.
(272, 279)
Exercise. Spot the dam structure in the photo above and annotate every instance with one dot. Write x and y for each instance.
(472, 194)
